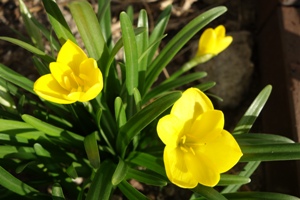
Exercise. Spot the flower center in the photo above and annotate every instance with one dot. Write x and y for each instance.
(73, 83)
(184, 146)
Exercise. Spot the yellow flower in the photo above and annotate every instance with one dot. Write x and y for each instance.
(197, 147)
(74, 77)
(213, 41)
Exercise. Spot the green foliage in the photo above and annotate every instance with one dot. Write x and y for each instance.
(50, 147)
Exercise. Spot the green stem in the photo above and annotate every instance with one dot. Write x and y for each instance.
(189, 65)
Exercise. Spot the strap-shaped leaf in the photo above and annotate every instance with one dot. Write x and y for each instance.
(101, 185)
(58, 22)
(15, 185)
(142, 118)
(178, 41)
(120, 172)
(57, 192)
(143, 42)
(120, 112)
(92, 149)
(147, 177)
(130, 192)
(166, 86)
(230, 179)
(261, 138)
(118, 46)
(248, 170)
(130, 50)
(104, 18)
(273, 152)
(67, 136)
(16, 78)
(149, 161)
(158, 31)
(29, 48)
(246, 122)
(32, 30)
(208, 193)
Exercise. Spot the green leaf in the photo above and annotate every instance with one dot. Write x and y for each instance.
(16, 78)
(120, 172)
(118, 46)
(58, 22)
(142, 41)
(149, 161)
(57, 192)
(247, 171)
(206, 86)
(141, 119)
(246, 122)
(259, 196)
(101, 185)
(32, 30)
(145, 176)
(90, 31)
(67, 136)
(158, 31)
(130, 192)
(166, 86)
(25, 164)
(130, 49)
(273, 152)
(21, 129)
(29, 48)
(178, 41)
(46, 158)
(137, 99)
(208, 193)
(6, 150)
(120, 112)
(71, 170)
(104, 18)
(229, 179)
(92, 149)
(15, 185)
(260, 138)
(40, 66)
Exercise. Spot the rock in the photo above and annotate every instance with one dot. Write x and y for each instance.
(231, 70)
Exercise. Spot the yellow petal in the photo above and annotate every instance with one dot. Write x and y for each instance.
(90, 72)
(74, 96)
(206, 127)
(207, 42)
(48, 88)
(203, 170)
(91, 93)
(220, 32)
(169, 129)
(223, 151)
(223, 44)
(176, 168)
(190, 105)
(71, 55)
(61, 73)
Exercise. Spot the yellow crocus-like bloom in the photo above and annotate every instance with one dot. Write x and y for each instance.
(213, 41)
(74, 77)
(197, 147)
